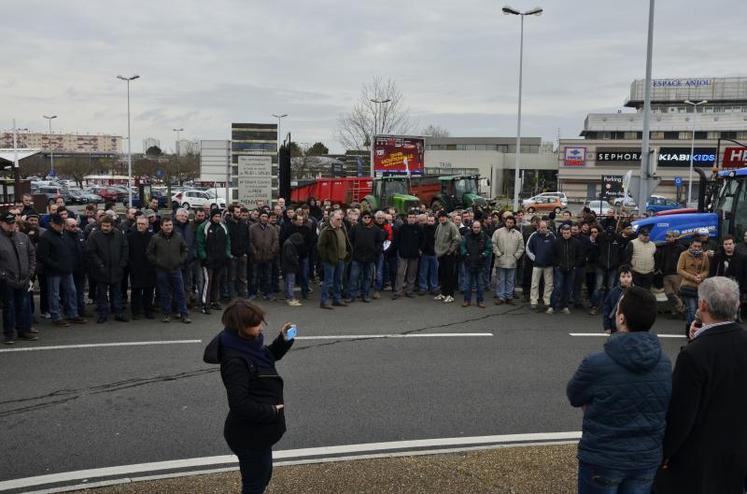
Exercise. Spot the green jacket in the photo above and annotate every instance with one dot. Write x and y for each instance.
(327, 245)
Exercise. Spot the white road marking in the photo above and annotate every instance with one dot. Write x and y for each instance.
(296, 456)
(412, 335)
(605, 334)
(98, 345)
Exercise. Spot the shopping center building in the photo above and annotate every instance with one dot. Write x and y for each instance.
(715, 109)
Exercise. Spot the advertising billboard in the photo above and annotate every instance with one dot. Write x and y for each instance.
(612, 186)
(735, 157)
(574, 156)
(399, 154)
(681, 157)
(255, 181)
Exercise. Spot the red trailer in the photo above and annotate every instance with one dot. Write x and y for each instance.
(344, 190)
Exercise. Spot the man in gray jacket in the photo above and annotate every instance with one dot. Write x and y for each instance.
(167, 251)
(508, 247)
(447, 243)
(17, 265)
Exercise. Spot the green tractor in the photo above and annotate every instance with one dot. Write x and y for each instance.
(390, 192)
(458, 192)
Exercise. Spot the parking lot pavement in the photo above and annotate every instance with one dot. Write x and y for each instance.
(515, 470)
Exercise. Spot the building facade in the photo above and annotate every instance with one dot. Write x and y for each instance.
(494, 158)
(706, 114)
(64, 143)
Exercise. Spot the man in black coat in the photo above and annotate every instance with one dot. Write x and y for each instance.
(705, 445)
(238, 231)
(409, 240)
(56, 255)
(566, 252)
(74, 238)
(367, 240)
(107, 256)
(142, 271)
(727, 262)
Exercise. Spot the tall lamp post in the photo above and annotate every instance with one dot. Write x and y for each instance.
(51, 150)
(176, 152)
(129, 79)
(692, 147)
(279, 116)
(511, 11)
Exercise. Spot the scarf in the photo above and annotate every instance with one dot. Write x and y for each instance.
(252, 350)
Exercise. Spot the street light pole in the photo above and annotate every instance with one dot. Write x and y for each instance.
(129, 137)
(692, 147)
(517, 165)
(176, 152)
(51, 149)
(644, 188)
(277, 138)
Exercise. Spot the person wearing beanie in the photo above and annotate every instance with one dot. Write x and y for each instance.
(214, 250)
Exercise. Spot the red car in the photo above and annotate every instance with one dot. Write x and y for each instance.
(108, 194)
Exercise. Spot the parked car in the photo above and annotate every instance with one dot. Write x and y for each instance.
(626, 202)
(107, 193)
(197, 198)
(560, 195)
(543, 203)
(601, 208)
(657, 204)
(91, 198)
(163, 201)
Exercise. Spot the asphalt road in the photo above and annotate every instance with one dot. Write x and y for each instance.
(72, 409)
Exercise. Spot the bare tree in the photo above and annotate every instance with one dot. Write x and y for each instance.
(435, 131)
(355, 130)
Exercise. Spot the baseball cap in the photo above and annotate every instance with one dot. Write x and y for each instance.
(8, 217)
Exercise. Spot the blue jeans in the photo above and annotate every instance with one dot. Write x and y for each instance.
(62, 286)
(692, 307)
(290, 283)
(593, 479)
(171, 284)
(603, 275)
(428, 273)
(256, 469)
(108, 295)
(486, 274)
(16, 310)
(504, 283)
(303, 276)
(473, 278)
(333, 281)
(563, 288)
(360, 279)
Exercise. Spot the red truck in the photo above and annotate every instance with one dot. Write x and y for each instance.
(343, 190)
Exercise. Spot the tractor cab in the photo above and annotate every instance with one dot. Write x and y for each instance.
(462, 191)
(730, 202)
(391, 192)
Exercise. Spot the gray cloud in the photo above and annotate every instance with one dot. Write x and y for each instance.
(204, 66)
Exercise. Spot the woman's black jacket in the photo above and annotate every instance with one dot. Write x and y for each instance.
(252, 421)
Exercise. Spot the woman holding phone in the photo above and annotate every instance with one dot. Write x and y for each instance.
(256, 418)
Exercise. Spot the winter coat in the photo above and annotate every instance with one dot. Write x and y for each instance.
(429, 240)
(475, 249)
(565, 253)
(264, 242)
(327, 245)
(448, 239)
(142, 272)
(626, 391)
(55, 254)
(367, 242)
(705, 445)
(610, 250)
(689, 266)
(239, 233)
(289, 259)
(584, 247)
(409, 240)
(77, 245)
(17, 259)
(107, 255)
(540, 249)
(253, 422)
(508, 247)
(213, 244)
(734, 267)
(609, 308)
(167, 253)
(188, 234)
(309, 240)
(667, 256)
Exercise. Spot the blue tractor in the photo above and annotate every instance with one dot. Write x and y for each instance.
(722, 209)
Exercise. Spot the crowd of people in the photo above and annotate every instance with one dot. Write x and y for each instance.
(170, 265)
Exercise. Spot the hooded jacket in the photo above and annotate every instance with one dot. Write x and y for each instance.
(213, 244)
(565, 253)
(367, 242)
(290, 259)
(17, 259)
(253, 391)
(141, 270)
(55, 254)
(447, 239)
(108, 255)
(626, 391)
(540, 249)
(167, 253)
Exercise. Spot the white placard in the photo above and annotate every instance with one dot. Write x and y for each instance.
(255, 181)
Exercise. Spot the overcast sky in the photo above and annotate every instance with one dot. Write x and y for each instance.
(204, 64)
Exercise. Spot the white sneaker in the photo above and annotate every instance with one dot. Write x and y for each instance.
(449, 299)
(439, 297)
(566, 310)
(294, 303)
(550, 310)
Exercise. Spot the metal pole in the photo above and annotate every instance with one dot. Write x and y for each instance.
(692, 150)
(228, 174)
(517, 163)
(51, 150)
(645, 155)
(129, 150)
(16, 168)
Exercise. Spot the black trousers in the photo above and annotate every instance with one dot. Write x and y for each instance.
(447, 275)
(142, 300)
(643, 280)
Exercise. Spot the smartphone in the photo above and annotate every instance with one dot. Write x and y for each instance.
(292, 332)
